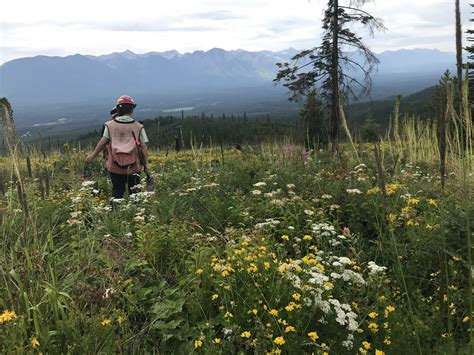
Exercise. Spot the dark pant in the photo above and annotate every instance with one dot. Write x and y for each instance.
(119, 181)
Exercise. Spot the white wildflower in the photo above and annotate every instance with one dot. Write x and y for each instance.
(374, 268)
(354, 191)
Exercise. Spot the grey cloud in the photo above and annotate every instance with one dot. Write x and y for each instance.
(160, 25)
(154, 27)
(216, 15)
(288, 24)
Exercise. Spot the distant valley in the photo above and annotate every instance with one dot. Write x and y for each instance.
(76, 92)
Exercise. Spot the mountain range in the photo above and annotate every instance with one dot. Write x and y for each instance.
(43, 88)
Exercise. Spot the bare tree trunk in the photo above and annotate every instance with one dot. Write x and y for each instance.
(458, 47)
(335, 79)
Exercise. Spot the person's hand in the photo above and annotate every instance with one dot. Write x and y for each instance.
(89, 158)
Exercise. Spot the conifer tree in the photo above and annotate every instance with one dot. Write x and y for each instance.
(330, 62)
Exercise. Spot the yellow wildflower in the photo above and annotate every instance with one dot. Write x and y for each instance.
(296, 296)
(392, 217)
(373, 327)
(328, 285)
(285, 237)
(246, 335)
(199, 271)
(106, 322)
(215, 297)
(429, 227)
(432, 202)
(253, 311)
(120, 319)
(373, 190)
(279, 341)
(266, 265)
(292, 306)
(228, 315)
(197, 343)
(465, 319)
(35, 342)
(252, 268)
(413, 201)
(217, 340)
(390, 189)
(359, 330)
(225, 273)
(406, 210)
(410, 222)
(373, 315)
(313, 335)
(366, 345)
(290, 328)
(379, 352)
(388, 310)
(7, 316)
(307, 237)
(274, 312)
(387, 341)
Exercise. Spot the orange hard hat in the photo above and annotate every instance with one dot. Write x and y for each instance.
(125, 99)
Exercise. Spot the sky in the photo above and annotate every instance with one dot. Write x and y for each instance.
(60, 27)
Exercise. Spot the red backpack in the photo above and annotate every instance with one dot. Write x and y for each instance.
(121, 151)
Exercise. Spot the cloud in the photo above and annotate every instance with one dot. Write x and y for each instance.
(57, 27)
(154, 27)
(217, 15)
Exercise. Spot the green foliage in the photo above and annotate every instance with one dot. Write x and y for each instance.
(369, 132)
(314, 122)
(162, 272)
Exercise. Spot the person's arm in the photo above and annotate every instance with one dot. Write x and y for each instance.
(99, 147)
(144, 154)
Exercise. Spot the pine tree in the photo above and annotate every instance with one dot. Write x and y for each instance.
(329, 63)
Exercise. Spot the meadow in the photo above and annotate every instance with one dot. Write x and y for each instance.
(270, 249)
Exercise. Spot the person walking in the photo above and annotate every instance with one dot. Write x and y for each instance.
(124, 141)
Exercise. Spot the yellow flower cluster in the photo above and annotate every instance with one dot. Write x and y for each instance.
(314, 336)
(388, 310)
(7, 316)
(390, 189)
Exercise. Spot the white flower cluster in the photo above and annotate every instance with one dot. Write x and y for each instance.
(269, 222)
(272, 194)
(141, 196)
(319, 277)
(354, 191)
(374, 268)
(323, 229)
